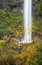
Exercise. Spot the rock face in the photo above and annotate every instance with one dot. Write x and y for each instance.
(34, 5)
(14, 5)
(17, 5)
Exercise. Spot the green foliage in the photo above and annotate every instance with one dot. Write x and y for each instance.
(38, 13)
(38, 58)
(31, 56)
(1, 44)
(11, 53)
(40, 8)
(37, 26)
(8, 20)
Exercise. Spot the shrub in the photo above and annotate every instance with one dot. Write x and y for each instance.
(8, 20)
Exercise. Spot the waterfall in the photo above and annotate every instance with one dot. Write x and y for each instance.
(27, 21)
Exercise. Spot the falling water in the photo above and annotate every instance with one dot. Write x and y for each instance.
(27, 21)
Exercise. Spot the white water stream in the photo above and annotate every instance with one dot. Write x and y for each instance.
(27, 21)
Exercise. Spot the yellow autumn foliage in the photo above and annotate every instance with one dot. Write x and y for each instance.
(2, 41)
